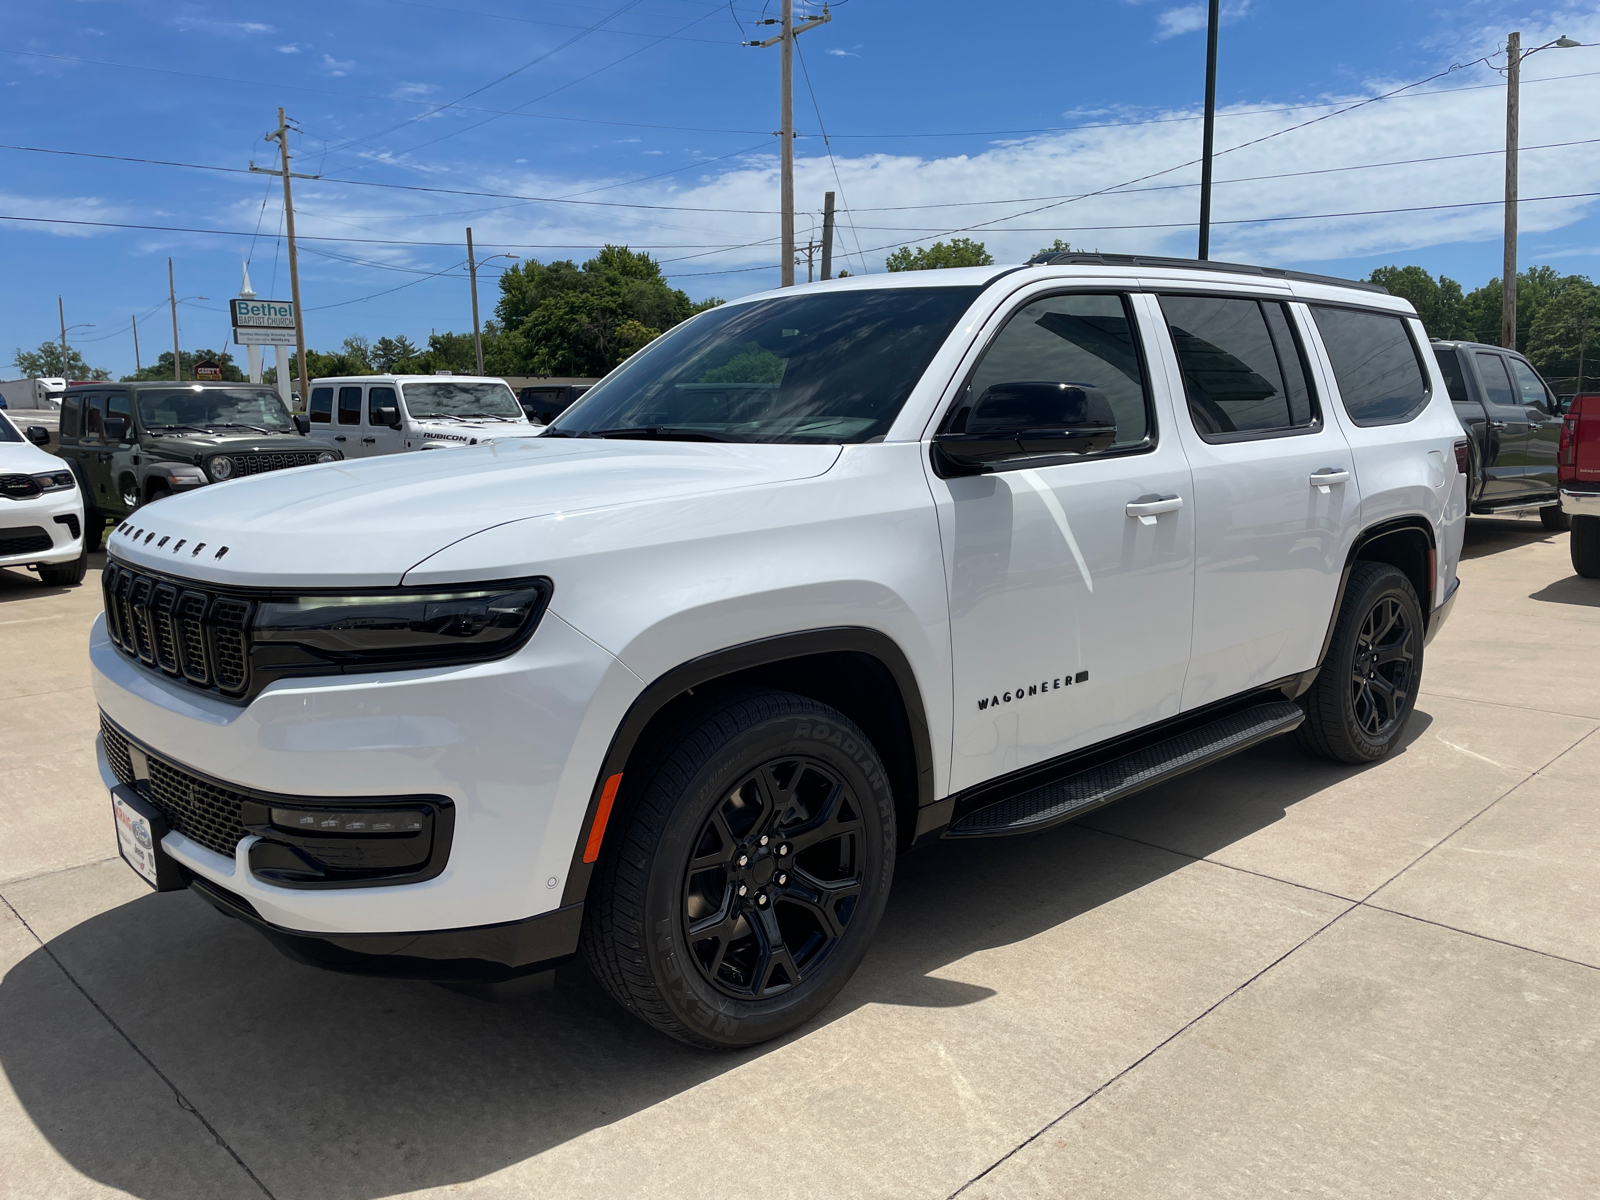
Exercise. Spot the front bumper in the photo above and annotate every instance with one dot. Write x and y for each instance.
(56, 515)
(1580, 504)
(515, 745)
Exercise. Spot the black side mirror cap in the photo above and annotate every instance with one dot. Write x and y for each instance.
(38, 435)
(386, 415)
(301, 422)
(1032, 418)
(116, 429)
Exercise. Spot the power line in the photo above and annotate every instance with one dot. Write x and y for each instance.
(837, 182)
(553, 24)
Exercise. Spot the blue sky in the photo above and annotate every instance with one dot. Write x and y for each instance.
(940, 116)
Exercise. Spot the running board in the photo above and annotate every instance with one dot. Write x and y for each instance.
(1061, 800)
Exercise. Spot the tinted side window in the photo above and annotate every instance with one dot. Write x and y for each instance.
(1242, 368)
(1496, 380)
(1380, 373)
(69, 415)
(350, 406)
(94, 414)
(1530, 388)
(1450, 368)
(117, 406)
(1075, 338)
(321, 406)
(380, 397)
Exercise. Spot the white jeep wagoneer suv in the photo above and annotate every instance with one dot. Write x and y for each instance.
(818, 576)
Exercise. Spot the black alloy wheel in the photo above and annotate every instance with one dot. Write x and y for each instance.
(773, 878)
(744, 869)
(1380, 675)
(1363, 696)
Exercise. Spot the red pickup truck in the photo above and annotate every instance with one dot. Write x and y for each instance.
(1578, 473)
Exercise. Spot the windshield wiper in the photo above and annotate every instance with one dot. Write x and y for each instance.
(240, 425)
(665, 432)
(196, 428)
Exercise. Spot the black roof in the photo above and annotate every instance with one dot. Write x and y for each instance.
(1072, 257)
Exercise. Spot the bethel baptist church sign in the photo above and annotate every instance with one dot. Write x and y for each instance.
(262, 322)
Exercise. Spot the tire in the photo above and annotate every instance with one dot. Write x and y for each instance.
(160, 492)
(1552, 517)
(94, 529)
(764, 791)
(1585, 546)
(1361, 700)
(65, 574)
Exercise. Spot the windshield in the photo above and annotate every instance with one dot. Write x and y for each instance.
(828, 367)
(8, 431)
(207, 408)
(440, 398)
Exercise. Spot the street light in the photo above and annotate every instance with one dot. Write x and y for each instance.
(472, 271)
(61, 313)
(1508, 278)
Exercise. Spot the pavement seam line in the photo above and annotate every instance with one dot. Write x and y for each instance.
(1148, 1054)
(1549, 712)
(1395, 912)
(97, 862)
(183, 1101)
(1306, 887)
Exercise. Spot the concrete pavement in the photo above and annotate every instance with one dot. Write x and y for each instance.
(1277, 976)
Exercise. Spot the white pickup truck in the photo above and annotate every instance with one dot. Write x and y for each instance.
(818, 576)
(369, 415)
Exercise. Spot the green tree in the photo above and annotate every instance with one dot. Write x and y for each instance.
(45, 362)
(1566, 335)
(558, 318)
(959, 252)
(162, 368)
(1056, 247)
(1536, 287)
(1438, 302)
(394, 355)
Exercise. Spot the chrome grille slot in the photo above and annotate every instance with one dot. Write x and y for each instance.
(163, 627)
(228, 619)
(139, 604)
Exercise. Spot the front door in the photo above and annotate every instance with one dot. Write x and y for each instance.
(1505, 477)
(1275, 492)
(376, 438)
(96, 454)
(1070, 578)
(1544, 426)
(123, 453)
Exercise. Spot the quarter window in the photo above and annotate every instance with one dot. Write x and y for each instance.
(1243, 370)
(321, 406)
(1450, 368)
(1378, 366)
(350, 406)
(1530, 388)
(1075, 338)
(69, 415)
(1496, 380)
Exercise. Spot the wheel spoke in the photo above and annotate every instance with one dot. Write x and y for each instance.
(774, 956)
(1399, 652)
(724, 851)
(819, 899)
(825, 826)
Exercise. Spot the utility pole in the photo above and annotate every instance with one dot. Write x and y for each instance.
(1208, 138)
(785, 39)
(136, 367)
(1508, 273)
(472, 270)
(172, 295)
(61, 313)
(281, 136)
(827, 235)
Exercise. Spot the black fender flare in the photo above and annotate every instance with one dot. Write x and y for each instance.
(718, 664)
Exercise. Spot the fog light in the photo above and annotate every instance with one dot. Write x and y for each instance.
(301, 820)
(327, 456)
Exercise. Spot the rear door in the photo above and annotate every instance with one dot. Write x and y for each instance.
(348, 428)
(1509, 429)
(1069, 613)
(123, 453)
(96, 454)
(377, 438)
(1544, 425)
(319, 416)
(1275, 491)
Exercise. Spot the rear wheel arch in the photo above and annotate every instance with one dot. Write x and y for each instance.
(861, 672)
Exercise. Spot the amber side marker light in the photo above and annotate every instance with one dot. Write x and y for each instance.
(597, 831)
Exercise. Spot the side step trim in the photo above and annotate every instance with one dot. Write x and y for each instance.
(1063, 799)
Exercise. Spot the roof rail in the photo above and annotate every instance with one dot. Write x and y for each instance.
(1074, 257)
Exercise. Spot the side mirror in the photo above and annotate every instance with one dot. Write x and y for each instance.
(1032, 418)
(386, 414)
(38, 435)
(301, 423)
(116, 429)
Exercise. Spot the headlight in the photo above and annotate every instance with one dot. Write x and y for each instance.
(400, 627)
(54, 481)
(327, 456)
(221, 467)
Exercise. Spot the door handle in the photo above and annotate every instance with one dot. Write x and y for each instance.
(1328, 475)
(1147, 508)
(1497, 424)
(369, 441)
(338, 437)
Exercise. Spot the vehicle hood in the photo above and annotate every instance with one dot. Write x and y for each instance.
(188, 445)
(26, 458)
(455, 432)
(365, 522)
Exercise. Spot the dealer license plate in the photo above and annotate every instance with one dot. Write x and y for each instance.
(136, 840)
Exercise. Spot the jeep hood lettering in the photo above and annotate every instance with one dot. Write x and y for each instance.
(364, 523)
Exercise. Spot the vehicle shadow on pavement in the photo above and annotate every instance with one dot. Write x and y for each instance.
(18, 583)
(1574, 589)
(335, 1085)
(1492, 535)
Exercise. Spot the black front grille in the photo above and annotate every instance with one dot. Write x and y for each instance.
(254, 464)
(19, 487)
(201, 810)
(24, 539)
(183, 630)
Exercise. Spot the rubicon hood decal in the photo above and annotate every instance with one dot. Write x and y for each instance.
(366, 522)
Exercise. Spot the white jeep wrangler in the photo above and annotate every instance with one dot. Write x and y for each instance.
(819, 576)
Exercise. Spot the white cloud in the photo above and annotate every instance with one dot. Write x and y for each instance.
(291, 48)
(228, 29)
(334, 67)
(64, 208)
(407, 91)
(1176, 21)
(837, 53)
